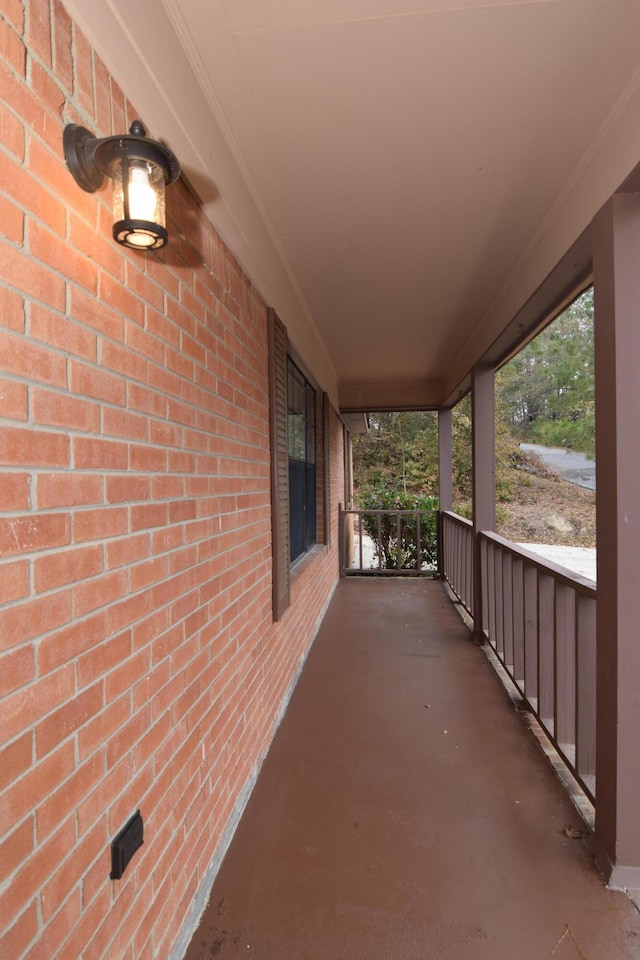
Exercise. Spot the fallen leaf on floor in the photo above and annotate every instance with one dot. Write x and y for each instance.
(574, 834)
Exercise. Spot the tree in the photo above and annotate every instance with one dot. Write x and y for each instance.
(545, 394)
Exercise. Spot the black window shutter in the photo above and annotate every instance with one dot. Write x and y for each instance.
(278, 347)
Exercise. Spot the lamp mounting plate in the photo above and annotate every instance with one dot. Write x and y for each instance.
(79, 149)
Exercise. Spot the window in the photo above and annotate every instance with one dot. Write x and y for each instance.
(299, 426)
(301, 430)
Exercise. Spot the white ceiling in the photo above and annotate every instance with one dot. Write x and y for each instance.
(418, 165)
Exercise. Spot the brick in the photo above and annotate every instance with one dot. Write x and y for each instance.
(167, 539)
(57, 930)
(62, 56)
(36, 280)
(11, 220)
(64, 410)
(47, 90)
(127, 488)
(122, 741)
(93, 381)
(165, 434)
(17, 669)
(34, 531)
(55, 808)
(14, 578)
(146, 289)
(33, 448)
(67, 644)
(68, 489)
(11, 309)
(92, 919)
(119, 423)
(27, 359)
(148, 515)
(104, 252)
(13, 400)
(115, 295)
(25, 621)
(14, 850)
(167, 487)
(48, 167)
(94, 454)
(147, 458)
(30, 194)
(57, 254)
(102, 96)
(39, 30)
(127, 551)
(99, 524)
(15, 759)
(25, 794)
(13, 11)
(28, 878)
(27, 106)
(146, 748)
(12, 48)
(63, 722)
(83, 72)
(101, 592)
(145, 400)
(70, 873)
(69, 566)
(143, 343)
(92, 738)
(15, 941)
(115, 357)
(151, 571)
(102, 658)
(56, 330)
(14, 491)
(119, 680)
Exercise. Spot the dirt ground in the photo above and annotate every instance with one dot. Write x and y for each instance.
(542, 508)
(545, 509)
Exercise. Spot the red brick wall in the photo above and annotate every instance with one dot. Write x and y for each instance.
(139, 665)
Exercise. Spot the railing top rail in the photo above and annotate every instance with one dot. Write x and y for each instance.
(450, 515)
(393, 510)
(576, 581)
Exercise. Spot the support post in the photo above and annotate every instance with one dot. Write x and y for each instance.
(616, 265)
(483, 473)
(445, 477)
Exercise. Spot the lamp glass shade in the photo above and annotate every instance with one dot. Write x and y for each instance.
(138, 203)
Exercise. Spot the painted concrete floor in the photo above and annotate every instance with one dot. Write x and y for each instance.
(405, 811)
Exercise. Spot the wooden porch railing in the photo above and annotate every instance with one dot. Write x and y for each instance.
(405, 543)
(540, 620)
(456, 556)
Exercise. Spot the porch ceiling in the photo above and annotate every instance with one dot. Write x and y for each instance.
(418, 166)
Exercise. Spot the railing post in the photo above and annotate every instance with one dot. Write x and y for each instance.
(483, 473)
(342, 539)
(445, 477)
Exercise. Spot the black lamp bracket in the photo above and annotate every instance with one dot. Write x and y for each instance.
(89, 158)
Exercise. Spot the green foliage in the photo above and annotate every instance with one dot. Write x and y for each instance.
(399, 453)
(545, 394)
(383, 530)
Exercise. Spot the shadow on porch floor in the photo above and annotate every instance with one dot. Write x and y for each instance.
(405, 811)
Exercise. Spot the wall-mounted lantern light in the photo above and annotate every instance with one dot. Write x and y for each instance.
(139, 168)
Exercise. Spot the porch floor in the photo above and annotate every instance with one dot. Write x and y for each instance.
(405, 810)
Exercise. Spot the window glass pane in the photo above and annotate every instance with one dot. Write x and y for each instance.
(296, 419)
(301, 425)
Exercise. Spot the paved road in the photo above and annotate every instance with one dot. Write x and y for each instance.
(572, 466)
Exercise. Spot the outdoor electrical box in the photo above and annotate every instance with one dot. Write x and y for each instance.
(125, 844)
